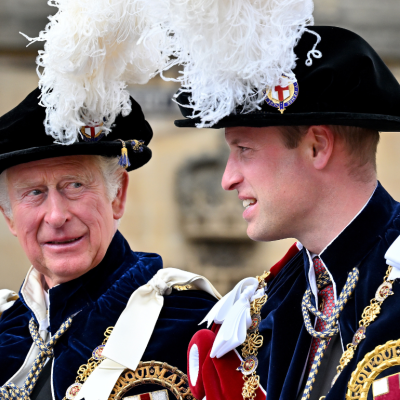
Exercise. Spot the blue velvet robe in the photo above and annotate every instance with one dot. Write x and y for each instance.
(100, 296)
(286, 342)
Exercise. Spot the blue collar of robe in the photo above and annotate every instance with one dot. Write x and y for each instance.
(286, 342)
(98, 298)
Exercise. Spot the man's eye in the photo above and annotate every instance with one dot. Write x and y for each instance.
(35, 192)
(76, 185)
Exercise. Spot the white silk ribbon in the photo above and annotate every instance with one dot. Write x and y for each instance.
(393, 258)
(131, 334)
(233, 313)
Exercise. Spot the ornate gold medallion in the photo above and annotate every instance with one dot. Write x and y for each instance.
(248, 365)
(373, 364)
(384, 291)
(73, 390)
(156, 373)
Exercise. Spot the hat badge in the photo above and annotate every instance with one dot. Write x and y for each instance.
(92, 133)
(282, 95)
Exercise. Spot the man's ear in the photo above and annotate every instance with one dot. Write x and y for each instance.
(118, 205)
(10, 223)
(321, 140)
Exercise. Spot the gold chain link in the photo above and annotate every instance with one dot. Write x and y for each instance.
(252, 343)
(86, 369)
(369, 314)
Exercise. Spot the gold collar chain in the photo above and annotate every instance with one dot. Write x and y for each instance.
(86, 369)
(369, 314)
(254, 340)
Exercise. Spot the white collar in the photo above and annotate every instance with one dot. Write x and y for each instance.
(34, 296)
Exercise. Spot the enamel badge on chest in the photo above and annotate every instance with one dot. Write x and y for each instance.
(282, 95)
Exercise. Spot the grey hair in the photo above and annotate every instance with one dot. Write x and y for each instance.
(4, 197)
(111, 171)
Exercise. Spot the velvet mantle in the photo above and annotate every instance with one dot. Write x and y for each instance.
(99, 297)
(286, 342)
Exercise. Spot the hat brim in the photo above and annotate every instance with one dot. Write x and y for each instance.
(105, 148)
(381, 123)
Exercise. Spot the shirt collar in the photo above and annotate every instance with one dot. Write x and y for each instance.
(352, 245)
(33, 295)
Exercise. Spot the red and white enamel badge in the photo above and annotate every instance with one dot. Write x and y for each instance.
(282, 95)
(92, 133)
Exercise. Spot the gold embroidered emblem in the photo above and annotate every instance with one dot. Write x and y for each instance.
(374, 363)
(153, 372)
(157, 395)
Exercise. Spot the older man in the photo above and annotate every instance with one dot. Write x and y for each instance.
(304, 166)
(63, 203)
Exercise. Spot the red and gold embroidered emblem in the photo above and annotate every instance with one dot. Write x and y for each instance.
(154, 373)
(387, 388)
(157, 395)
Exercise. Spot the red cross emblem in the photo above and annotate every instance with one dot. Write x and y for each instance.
(387, 388)
(159, 395)
(279, 90)
(282, 95)
(92, 133)
(92, 129)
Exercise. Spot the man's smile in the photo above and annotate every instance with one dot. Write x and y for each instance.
(248, 203)
(65, 241)
(64, 244)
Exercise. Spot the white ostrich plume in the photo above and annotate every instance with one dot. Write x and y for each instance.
(90, 55)
(232, 50)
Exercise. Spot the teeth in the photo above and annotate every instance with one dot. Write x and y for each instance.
(248, 202)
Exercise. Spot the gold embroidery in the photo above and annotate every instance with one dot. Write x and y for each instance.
(154, 372)
(374, 362)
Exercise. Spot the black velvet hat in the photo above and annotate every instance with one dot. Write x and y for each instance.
(349, 85)
(23, 137)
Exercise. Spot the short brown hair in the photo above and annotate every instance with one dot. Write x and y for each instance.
(361, 143)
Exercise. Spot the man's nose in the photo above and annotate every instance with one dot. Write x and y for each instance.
(57, 209)
(232, 176)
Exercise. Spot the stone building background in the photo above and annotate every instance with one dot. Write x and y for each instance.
(176, 206)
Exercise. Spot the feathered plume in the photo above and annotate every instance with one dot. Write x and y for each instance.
(90, 55)
(230, 48)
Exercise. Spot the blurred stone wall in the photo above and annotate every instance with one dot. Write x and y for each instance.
(176, 205)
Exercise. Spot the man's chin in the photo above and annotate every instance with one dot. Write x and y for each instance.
(60, 271)
(261, 235)
(255, 235)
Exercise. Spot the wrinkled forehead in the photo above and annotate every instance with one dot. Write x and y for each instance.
(52, 170)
